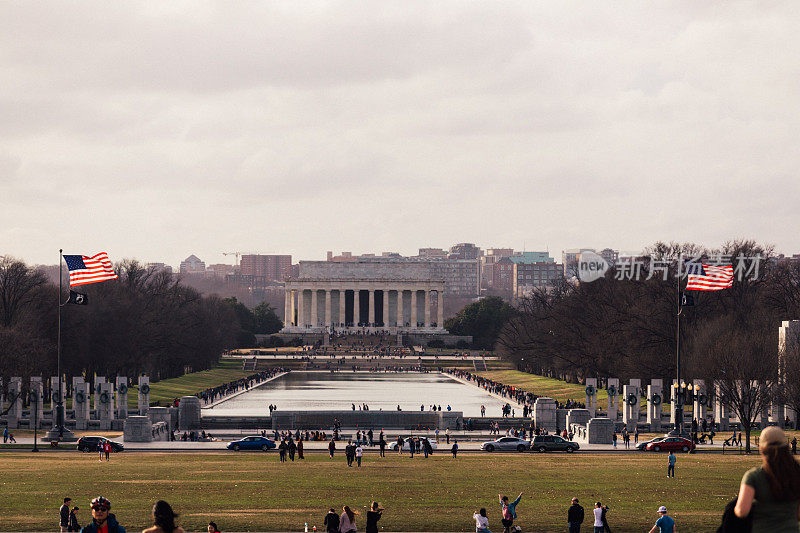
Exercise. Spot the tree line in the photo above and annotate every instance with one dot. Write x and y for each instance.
(146, 321)
(628, 329)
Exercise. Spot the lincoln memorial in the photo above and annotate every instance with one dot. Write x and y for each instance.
(366, 295)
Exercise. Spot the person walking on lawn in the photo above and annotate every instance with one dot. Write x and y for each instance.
(575, 516)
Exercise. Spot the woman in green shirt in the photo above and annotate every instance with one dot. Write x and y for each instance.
(771, 492)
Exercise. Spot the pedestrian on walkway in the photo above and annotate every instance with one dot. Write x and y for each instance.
(774, 486)
(508, 511)
(481, 521)
(163, 519)
(636, 435)
(447, 434)
(671, 464)
(63, 515)
(665, 523)
(614, 438)
(399, 445)
(575, 516)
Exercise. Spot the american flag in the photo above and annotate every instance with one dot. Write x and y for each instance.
(85, 269)
(703, 277)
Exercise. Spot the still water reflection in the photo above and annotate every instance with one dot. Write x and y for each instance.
(323, 391)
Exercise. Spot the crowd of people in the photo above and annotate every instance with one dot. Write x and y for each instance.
(213, 394)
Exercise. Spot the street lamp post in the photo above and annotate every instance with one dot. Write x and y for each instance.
(34, 402)
(679, 390)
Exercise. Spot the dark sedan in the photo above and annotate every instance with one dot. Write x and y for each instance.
(252, 443)
(549, 443)
(92, 444)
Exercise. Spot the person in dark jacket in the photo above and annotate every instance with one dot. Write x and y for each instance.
(63, 514)
(373, 515)
(102, 518)
(331, 521)
(73, 521)
(331, 448)
(282, 451)
(575, 517)
(292, 447)
(300, 449)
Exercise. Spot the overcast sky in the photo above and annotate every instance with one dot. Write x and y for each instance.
(155, 130)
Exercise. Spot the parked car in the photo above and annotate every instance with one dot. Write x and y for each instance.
(406, 444)
(674, 444)
(507, 444)
(90, 444)
(550, 443)
(256, 442)
(642, 446)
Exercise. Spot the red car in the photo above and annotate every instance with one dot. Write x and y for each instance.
(671, 444)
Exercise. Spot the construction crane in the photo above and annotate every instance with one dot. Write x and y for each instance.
(235, 254)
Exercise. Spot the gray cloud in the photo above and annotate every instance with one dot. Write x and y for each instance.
(207, 126)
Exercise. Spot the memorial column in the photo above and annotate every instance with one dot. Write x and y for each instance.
(427, 308)
(385, 308)
(287, 304)
(440, 310)
(301, 308)
(414, 308)
(356, 308)
(400, 322)
(371, 305)
(314, 307)
(342, 293)
(327, 308)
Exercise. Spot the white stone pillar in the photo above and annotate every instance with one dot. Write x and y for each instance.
(721, 411)
(613, 397)
(371, 305)
(327, 308)
(630, 413)
(98, 380)
(52, 400)
(356, 307)
(385, 308)
(80, 402)
(121, 394)
(342, 301)
(36, 399)
(414, 308)
(287, 308)
(655, 398)
(314, 308)
(428, 299)
(106, 399)
(293, 307)
(15, 399)
(144, 395)
(58, 391)
(591, 396)
(301, 308)
(400, 321)
(440, 310)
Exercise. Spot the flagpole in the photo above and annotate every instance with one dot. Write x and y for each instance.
(59, 417)
(679, 392)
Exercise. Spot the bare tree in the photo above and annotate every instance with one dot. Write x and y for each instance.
(18, 286)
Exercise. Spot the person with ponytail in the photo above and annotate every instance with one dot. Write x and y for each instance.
(163, 519)
(770, 493)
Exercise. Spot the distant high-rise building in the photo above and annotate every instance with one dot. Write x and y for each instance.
(432, 253)
(345, 257)
(220, 270)
(160, 267)
(267, 267)
(528, 276)
(193, 265)
(464, 250)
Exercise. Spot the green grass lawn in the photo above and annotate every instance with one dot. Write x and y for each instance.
(253, 491)
(166, 390)
(552, 388)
